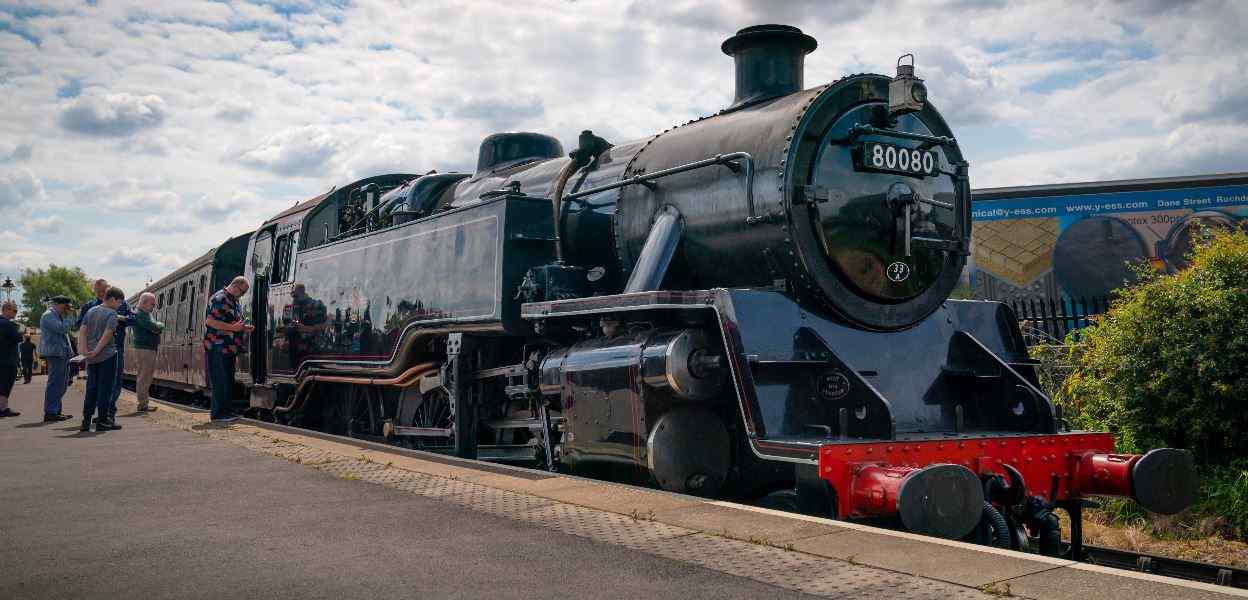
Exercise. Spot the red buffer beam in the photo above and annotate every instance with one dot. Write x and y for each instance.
(930, 482)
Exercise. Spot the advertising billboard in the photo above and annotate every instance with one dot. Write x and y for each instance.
(1078, 241)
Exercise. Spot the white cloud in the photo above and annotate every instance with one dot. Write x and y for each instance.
(49, 224)
(153, 145)
(166, 224)
(128, 258)
(213, 207)
(297, 151)
(15, 152)
(118, 195)
(235, 110)
(112, 115)
(20, 189)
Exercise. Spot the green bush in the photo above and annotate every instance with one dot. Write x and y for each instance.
(1055, 362)
(1224, 496)
(1168, 365)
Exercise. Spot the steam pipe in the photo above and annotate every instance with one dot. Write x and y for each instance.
(657, 252)
(403, 380)
(557, 201)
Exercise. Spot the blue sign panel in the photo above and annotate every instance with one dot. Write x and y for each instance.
(1087, 245)
(1116, 202)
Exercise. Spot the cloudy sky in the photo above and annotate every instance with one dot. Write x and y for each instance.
(136, 135)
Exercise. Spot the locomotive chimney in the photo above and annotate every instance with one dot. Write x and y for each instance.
(769, 61)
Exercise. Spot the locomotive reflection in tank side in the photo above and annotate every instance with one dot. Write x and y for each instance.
(305, 325)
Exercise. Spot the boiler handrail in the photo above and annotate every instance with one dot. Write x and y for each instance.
(729, 160)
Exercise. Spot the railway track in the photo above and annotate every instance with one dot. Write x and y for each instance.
(1108, 557)
(1169, 567)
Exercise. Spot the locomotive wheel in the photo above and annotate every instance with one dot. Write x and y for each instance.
(435, 411)
(362, 421)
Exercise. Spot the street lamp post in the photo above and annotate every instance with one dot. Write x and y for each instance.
(8, 287)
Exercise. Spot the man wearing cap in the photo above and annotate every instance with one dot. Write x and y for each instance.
(10, 337)
(54, 348)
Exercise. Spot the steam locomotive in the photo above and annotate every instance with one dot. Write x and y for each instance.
(753, 305)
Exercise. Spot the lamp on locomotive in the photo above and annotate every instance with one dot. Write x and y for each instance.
(906, 93)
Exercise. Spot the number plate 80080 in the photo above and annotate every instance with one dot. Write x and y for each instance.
(875, 156)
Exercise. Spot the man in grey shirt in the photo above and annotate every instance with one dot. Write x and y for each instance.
(100, 352)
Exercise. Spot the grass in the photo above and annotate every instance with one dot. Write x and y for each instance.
(647, 515)
(1165, 536)
(1217, 522)
(999, 589)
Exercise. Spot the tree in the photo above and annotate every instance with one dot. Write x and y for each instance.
(1165, 366)
(40, 284)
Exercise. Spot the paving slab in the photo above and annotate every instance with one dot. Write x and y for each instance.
(969, 567)
(1081, 582)
(616, 498)
(742, 525)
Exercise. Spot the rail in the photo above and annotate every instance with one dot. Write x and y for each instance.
(1169, 567)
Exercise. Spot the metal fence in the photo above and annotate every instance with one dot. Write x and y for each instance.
(1049, 320)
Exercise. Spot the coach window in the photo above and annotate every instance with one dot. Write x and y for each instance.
(290, 259)
(281, 259)
(190, 311)
(183, 309)
(204, 293)
(262, 253)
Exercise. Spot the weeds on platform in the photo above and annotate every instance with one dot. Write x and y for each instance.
(1000, 589)
(647, 515)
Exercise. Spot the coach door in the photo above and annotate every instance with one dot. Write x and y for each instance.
(261, 262)
(280, 304)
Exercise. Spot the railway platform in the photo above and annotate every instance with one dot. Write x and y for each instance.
(172, 506)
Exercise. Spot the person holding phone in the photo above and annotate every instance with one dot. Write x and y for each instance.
(125, 318)
(99, 351)
(225, 332)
